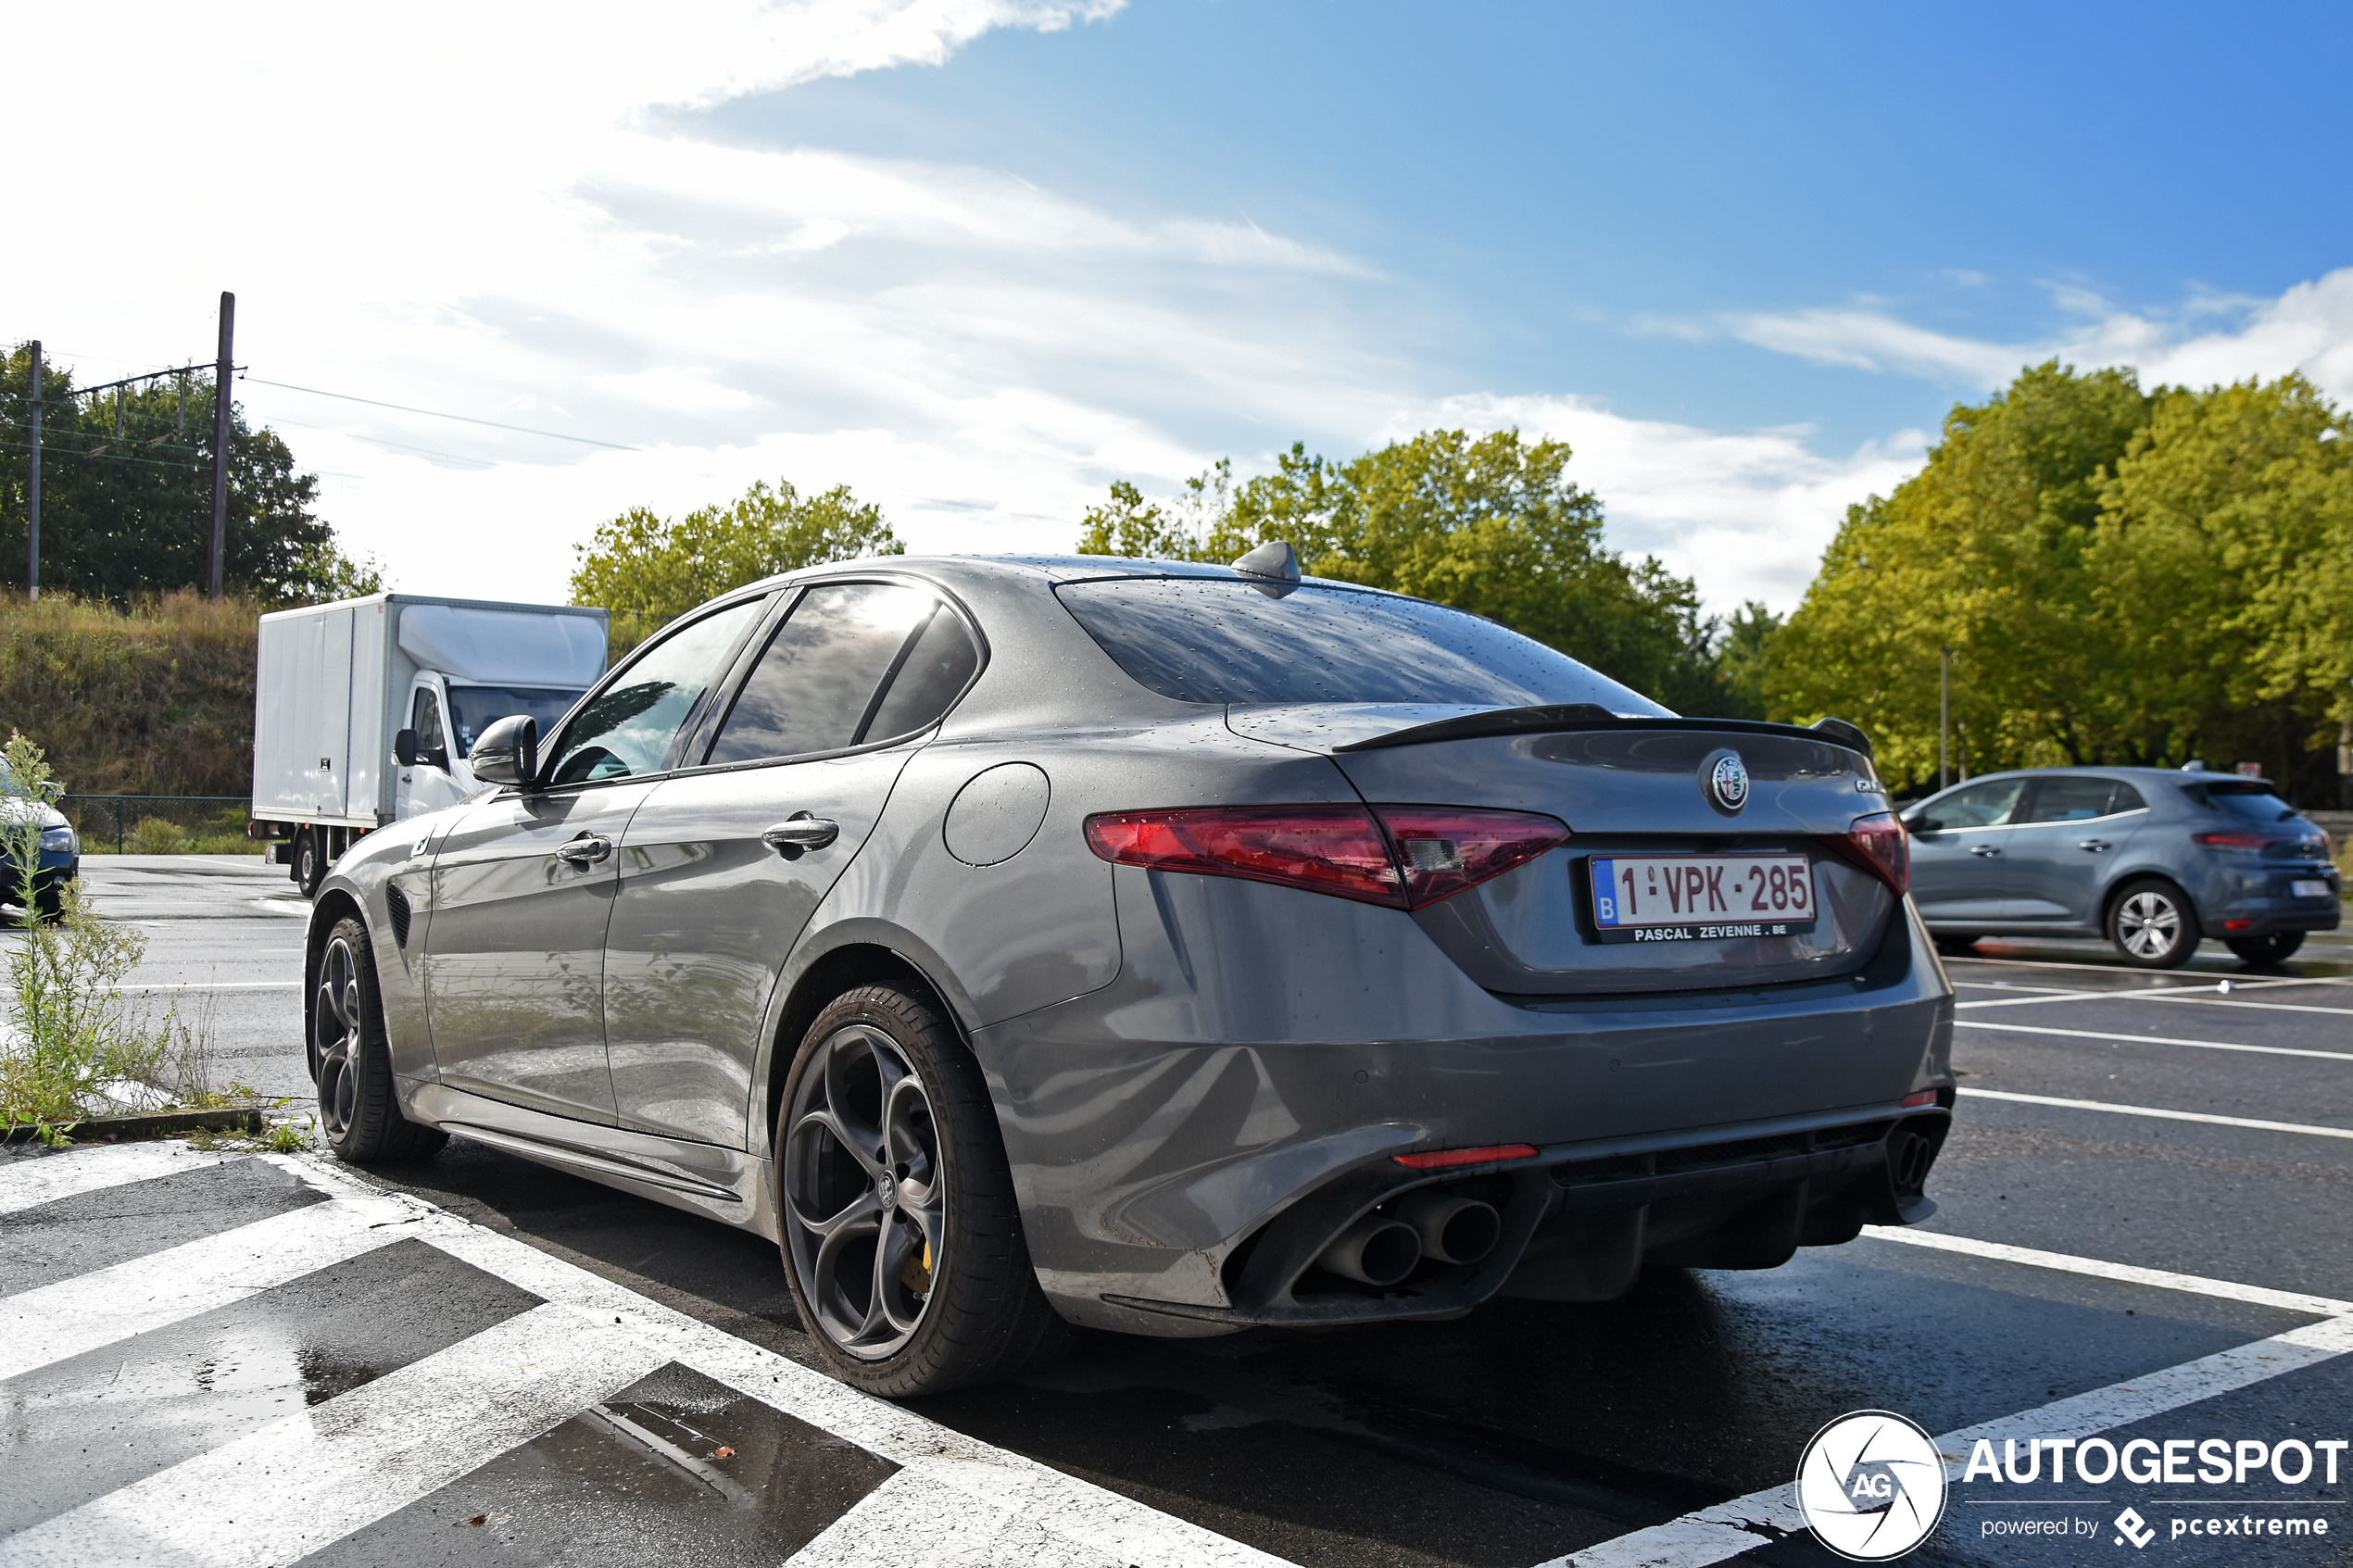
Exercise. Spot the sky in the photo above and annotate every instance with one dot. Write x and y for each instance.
(980, 258)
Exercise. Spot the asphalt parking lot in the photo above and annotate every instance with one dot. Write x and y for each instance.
(2144, 1233)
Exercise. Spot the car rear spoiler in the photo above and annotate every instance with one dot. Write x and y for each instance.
(1590, 716)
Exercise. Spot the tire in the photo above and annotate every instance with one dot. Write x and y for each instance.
(50, 900)
(349, 1063)
(2264, 951)
(1954, 945)
(2152, 925)
(936, 1290)
(310, 862)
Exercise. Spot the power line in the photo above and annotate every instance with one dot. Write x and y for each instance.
(437, 414)
(47, 451)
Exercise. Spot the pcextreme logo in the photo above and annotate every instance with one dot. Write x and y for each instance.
(1871, 1484)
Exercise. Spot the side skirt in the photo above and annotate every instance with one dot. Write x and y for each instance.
(726, 1185)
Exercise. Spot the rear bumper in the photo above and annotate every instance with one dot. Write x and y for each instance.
(1269, 1055)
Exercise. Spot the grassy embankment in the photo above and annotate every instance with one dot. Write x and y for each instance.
(156, 699)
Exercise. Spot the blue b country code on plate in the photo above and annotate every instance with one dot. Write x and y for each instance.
(1700, 898)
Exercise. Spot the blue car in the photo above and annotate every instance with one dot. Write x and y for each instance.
(60, 859)
(2152, 859)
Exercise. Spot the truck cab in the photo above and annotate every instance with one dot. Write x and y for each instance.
(445, 714)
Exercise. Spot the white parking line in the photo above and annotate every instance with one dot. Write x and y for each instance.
(2115, 1036)
(2128, 1273)
(2190, 995)
(2163, 1115)
(298, 1483)
(2121, 970)
(1714, 1535)
(209, 985)
(47, 1324)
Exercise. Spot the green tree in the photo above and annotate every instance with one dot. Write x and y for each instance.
(126, 497)
(1491, 525)
(649, 570)
(1982, 552)
(2223, 560)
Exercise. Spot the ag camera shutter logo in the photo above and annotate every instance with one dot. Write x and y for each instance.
(1871, 1484)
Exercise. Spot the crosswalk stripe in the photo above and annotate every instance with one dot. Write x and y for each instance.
(311, 1479)
(27, 1181)
(1070, 1511)
(51, 1323)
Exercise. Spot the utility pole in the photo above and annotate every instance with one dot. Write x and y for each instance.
(221, 445)
(1944, 719)
(32, 497)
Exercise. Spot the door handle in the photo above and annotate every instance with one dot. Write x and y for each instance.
(2094, 845)
(798, 831)
(1983, 850)
(585, 850)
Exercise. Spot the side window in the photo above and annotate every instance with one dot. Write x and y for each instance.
(2069, 800)
(627, 728)
(425, 718)
(933, 676)
(855, 663)
(1977, 806)
(2127, 799)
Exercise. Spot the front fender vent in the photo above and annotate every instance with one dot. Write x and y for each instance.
(396, 906)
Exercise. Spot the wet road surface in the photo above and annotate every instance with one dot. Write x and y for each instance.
(2144, 1234)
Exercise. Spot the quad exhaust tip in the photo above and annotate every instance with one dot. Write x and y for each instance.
(1381, 1249)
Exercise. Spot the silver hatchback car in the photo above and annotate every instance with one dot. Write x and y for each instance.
(2150, 859)
(1158, 948)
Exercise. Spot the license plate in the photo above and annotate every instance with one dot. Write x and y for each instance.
(2309, 889)
(1699, 897)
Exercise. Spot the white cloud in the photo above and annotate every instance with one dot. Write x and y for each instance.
(2310, 328)
(1745, 516)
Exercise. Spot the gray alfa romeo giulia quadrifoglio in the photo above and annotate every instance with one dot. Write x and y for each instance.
(1158, 948)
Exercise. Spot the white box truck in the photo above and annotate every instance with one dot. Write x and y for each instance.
(365, 709)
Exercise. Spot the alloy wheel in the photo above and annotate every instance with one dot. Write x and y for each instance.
(2147, 924)
(865, 1193)
(335, 1038)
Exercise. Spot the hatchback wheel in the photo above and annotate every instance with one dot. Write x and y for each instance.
(349, 1063)
(2265, 950)
(902, 1239)
(2152, 925)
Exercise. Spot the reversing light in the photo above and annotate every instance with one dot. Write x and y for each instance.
(1406, 857)
(1447, 1159)
(1878, 843)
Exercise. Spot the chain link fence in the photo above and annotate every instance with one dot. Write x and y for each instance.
(160, 824)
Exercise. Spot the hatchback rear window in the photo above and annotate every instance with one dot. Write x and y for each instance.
(2254, 801)
(1221, 640)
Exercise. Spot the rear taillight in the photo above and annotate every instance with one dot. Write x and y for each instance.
(1877, 844)
(2232, 840)
(1443, 850)
(1403, 855)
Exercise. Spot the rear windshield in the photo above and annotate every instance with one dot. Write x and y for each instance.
(2254, 801)
(1221, 640)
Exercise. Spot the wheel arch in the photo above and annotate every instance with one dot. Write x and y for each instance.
(334, 904)
(862, 961)
(2127, 881)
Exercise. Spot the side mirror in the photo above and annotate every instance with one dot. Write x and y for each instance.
(404, 749)
(508, 752)
(1919, 821)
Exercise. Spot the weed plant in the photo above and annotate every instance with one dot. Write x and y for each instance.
(78, 1046)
